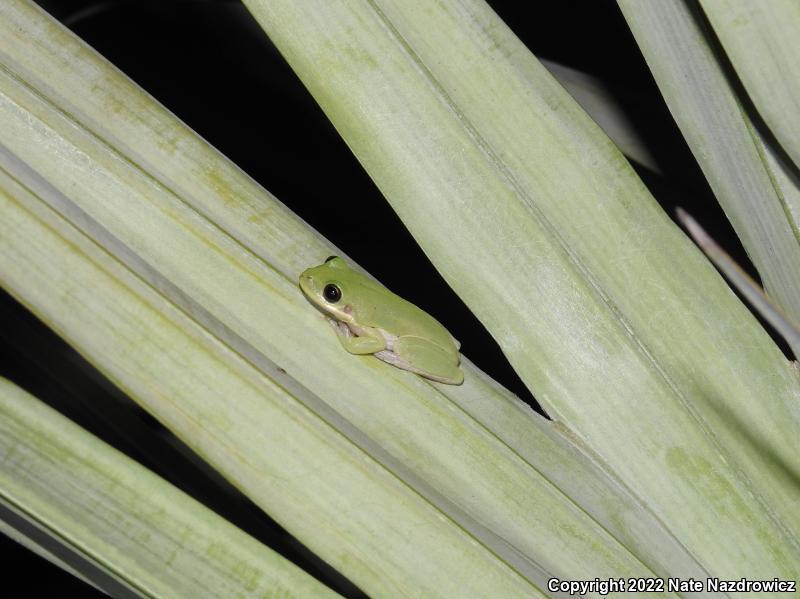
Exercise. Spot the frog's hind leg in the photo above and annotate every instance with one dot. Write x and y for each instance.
(424, 358)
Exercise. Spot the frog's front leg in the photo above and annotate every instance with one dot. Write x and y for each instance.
(369, 342)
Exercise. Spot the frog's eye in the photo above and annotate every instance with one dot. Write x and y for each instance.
(332, 293)
(335, 262)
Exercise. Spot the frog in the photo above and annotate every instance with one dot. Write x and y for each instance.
(370, 319)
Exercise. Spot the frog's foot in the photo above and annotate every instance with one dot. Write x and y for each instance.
(340, 328)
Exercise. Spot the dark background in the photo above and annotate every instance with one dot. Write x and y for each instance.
(197, 58)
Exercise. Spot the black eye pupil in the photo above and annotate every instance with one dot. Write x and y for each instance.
(332, 293)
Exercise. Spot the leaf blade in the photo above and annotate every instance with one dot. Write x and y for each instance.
(751, 184)
(123, 520)
(761, 41)
(456, 123)
(181, 221)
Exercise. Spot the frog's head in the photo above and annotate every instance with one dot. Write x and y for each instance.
(326, 286)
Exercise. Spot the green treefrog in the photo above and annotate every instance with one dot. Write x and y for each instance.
(370, 319)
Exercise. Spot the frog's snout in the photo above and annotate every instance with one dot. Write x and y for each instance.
(307, 283)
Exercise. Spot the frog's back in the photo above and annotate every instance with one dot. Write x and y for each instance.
(400, 317)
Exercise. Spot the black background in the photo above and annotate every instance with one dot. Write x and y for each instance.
(210, 64)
